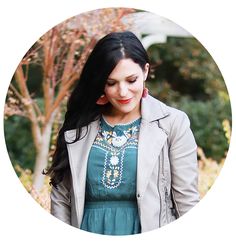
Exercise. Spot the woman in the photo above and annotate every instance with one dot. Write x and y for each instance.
(125, 162)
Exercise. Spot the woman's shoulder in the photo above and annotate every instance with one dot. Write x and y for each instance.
(73, 134)
(70, 135)
(156, 110)
(169, 118)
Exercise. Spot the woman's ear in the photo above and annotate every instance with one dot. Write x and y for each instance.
(146, 70)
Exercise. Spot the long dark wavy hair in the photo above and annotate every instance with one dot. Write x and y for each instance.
(81, 107)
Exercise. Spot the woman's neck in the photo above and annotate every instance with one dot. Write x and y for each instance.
(114, 117)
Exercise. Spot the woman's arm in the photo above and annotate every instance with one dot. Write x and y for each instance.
(184, 165)
(61, 203)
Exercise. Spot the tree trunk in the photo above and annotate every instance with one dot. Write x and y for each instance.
(42, 155)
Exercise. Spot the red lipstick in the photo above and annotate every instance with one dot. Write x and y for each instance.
(124, 101)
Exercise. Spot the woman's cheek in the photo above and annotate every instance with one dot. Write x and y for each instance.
(110, 92)
(138, 88)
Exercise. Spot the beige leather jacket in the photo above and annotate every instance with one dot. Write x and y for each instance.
(167, 172)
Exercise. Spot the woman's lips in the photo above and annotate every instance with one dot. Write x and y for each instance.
(124, 101)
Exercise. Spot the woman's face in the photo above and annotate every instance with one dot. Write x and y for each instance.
(125, 85)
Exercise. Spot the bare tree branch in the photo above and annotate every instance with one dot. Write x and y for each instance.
(61, 53)
(27, 101)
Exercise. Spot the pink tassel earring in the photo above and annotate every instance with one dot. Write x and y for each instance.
(102, 100)
(145, 92)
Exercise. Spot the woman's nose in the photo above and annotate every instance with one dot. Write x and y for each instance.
(123, 90)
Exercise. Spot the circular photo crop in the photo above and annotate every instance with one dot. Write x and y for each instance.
(117, 121)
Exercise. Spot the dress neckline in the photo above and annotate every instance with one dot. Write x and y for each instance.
(120, 124)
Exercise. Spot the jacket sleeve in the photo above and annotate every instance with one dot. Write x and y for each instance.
(60, 202)
(184, 165)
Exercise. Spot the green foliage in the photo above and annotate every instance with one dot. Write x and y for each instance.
(206, 122)
(188, 68)
(185, 76)
(19, 142)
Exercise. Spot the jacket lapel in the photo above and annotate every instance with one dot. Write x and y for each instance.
(151, 140)
(78, 156)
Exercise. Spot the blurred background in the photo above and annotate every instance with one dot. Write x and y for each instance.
(183, 74)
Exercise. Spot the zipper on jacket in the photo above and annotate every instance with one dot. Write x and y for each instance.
(162, 171)
(158, 189)
(165, 187)
(167, 205)
(177, 214)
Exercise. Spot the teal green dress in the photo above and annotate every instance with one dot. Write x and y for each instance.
(110, 202)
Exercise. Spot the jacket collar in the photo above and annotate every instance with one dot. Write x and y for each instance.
(153, 109)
